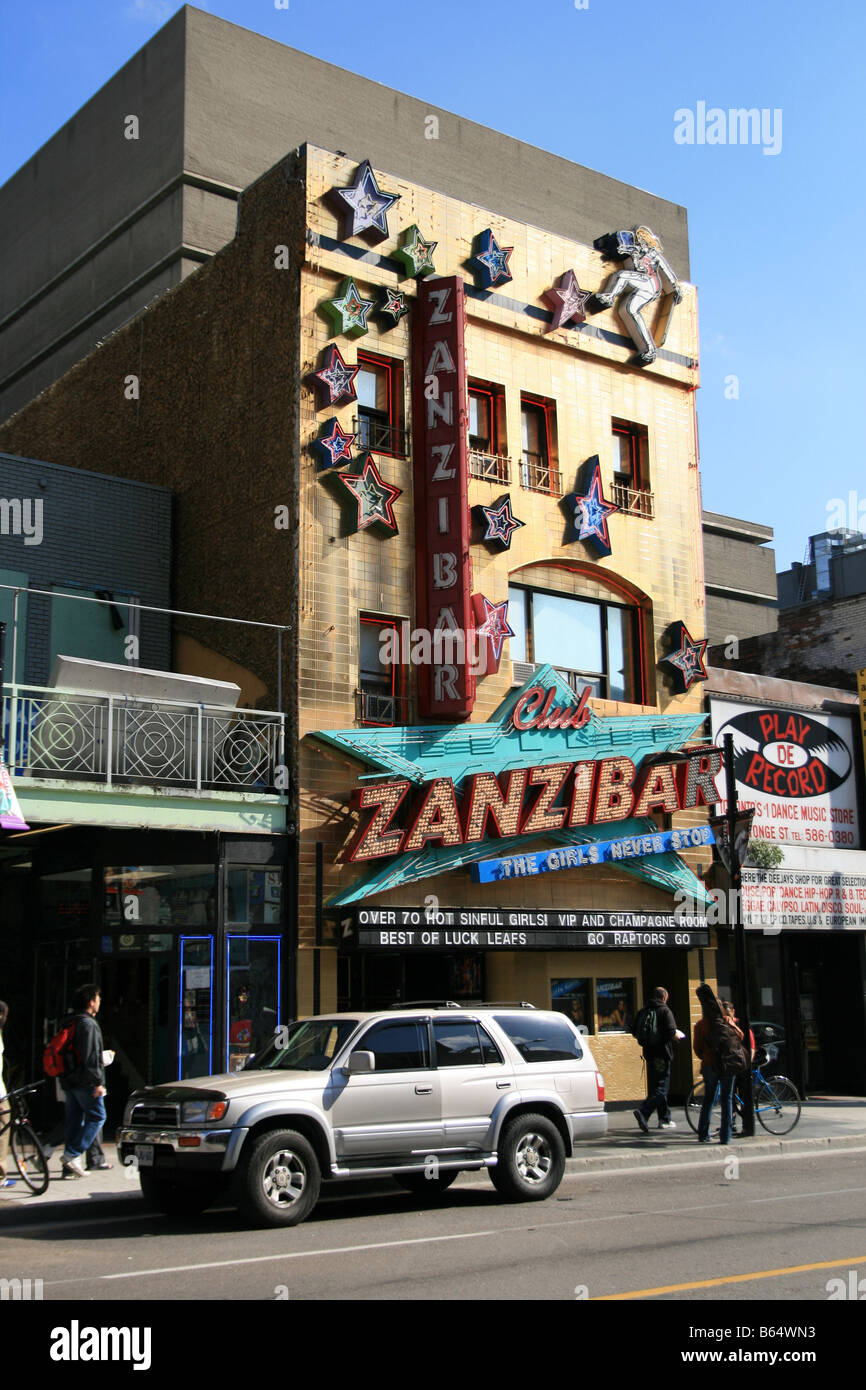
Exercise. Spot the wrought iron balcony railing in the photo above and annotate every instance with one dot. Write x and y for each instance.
(490, 468)
(381, 708)
(538, 474)
(86, 736)
(380, 437)
(633, 501)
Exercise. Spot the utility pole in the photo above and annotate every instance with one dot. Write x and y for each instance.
(738, 827)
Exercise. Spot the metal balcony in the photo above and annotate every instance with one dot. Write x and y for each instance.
(538, 474)
(633, 501)
(87, 736)
(489, 468)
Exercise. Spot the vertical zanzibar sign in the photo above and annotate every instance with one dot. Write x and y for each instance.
(446, 685)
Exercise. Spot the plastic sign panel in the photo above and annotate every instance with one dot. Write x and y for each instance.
(499, 928)
(446, 685)
(551, 861)
(796, 769)
(10, 812)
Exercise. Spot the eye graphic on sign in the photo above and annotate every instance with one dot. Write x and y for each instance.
(787, 754)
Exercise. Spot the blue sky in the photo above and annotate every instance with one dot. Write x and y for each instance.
(772, 235)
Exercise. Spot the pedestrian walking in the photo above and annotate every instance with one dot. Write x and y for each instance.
(84, 1084)
(656, 1030)
(4, 1104)
(716, 1042)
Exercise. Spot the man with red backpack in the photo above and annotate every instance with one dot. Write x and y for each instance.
(84, 1082)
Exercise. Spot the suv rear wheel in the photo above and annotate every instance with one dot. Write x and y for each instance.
(531, 1159)
(278, 1180)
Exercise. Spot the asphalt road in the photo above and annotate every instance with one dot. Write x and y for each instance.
(775, 1229)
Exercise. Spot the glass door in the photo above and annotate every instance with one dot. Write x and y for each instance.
(195, 1033)
(253, 974)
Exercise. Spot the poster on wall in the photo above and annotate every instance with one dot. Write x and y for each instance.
(797, 769)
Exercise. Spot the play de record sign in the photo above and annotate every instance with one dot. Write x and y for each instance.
(796, 769)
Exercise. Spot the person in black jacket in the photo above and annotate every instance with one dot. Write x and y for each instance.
(84, 1085)
(658, 1065)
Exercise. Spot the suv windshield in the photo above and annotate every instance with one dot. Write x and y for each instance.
(310, 1045)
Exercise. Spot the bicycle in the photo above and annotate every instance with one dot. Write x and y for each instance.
(31, 1159)
(777, 1102)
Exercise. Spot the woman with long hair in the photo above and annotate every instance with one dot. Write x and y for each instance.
(711, 1011)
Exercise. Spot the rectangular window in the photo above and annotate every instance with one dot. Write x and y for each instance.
(379, 423)
(540, 466)
(630, 459)
(574, 999)
(398, 1046)
(541, 1040)
(380, 681)
(588, 641)
(614, 1001)
(487, 451)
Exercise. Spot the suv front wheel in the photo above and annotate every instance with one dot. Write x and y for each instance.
(278, 1181)
(531, 1159)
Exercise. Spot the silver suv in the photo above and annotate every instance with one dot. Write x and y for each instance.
(417, 1093)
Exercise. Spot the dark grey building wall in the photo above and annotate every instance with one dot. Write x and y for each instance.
(218, 106)
(98, 532)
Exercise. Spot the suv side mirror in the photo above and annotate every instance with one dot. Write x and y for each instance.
(360, 1063)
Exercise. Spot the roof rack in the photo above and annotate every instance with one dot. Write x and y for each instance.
(504, 1004)
(427, 1004)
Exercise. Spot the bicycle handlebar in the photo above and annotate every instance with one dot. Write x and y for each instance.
(23, 1090)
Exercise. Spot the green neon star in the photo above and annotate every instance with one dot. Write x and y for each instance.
(348, 310)
(416, 254)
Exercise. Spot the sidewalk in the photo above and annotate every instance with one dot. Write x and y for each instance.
(826, 1123)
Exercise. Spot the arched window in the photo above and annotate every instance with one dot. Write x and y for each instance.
(587, 623)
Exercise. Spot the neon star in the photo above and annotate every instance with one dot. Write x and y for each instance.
(337, 379)
(687, 659)
(393, 306)
(364, 206)
(416, 254)
(567, 300)
(501, 523)
(493, 260)
(591, 511)
(375, 497)
(335, 444)
(495, 625)
(348, 310)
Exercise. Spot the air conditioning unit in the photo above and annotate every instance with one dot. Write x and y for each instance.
(522, 671)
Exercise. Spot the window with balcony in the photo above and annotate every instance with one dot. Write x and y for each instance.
(488, 458)
(630, 457)
(379, 423)
(380, 681)
(539, 470)
(588, 641)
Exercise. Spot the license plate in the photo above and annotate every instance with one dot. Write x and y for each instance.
(144, 1155)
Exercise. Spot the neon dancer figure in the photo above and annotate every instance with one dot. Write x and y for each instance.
(647, 277)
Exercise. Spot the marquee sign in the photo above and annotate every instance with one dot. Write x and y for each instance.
(446, 689)
(545, 769)
(496, 928)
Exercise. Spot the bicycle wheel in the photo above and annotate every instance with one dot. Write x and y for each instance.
(777, 1104)
(29, 1157)
(693, 1105)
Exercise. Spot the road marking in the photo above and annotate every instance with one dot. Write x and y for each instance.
(728, 1279)
(295, 1255)
(548, 1226)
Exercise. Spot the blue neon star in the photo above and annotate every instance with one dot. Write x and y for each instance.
(591, 511)
(493, 261)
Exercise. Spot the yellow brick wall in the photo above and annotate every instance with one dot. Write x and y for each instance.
(658, 561)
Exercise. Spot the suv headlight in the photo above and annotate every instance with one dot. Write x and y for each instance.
(202, 1112)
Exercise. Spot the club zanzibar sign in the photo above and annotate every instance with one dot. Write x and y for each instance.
(545, 769)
